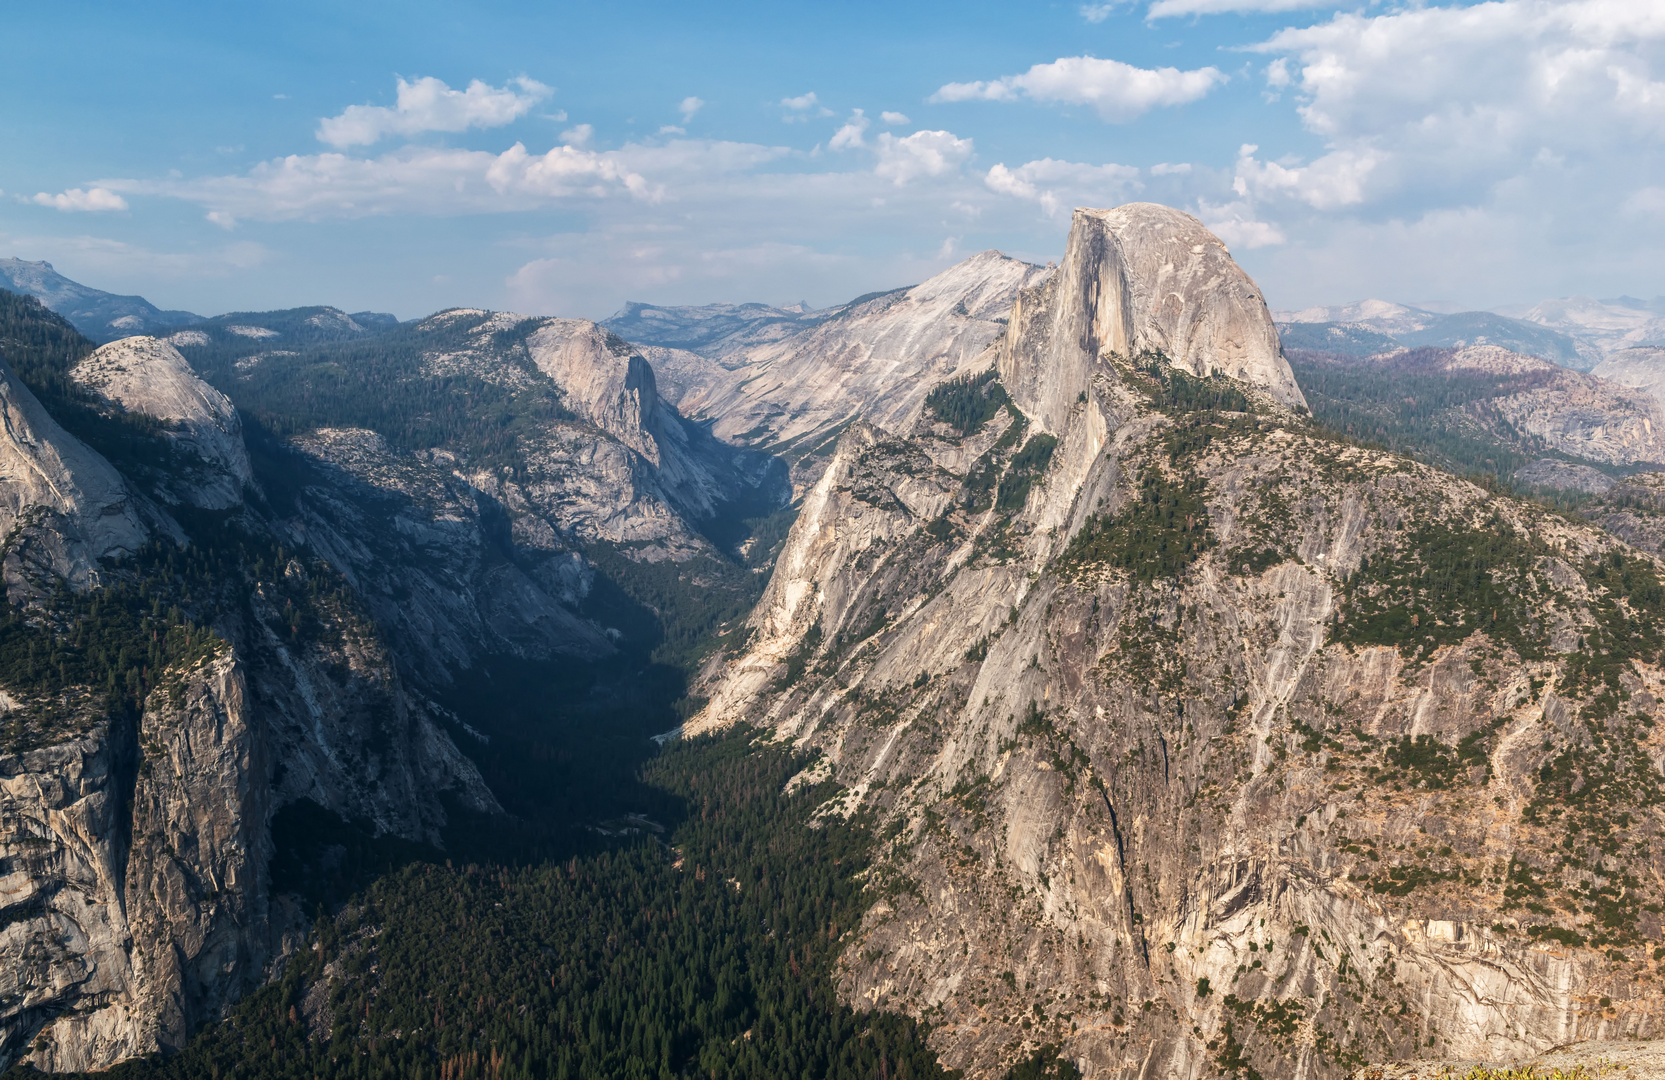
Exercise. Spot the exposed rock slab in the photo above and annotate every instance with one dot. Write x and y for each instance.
(1143, 278)
(1633, 1060)
(62, 506)
(1156, 818)
(147, 376)
(875, 360)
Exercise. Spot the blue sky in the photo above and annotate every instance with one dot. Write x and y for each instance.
(562, 158)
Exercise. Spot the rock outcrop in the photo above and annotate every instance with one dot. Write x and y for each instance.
(440, 562)
(875, 359)
(1641, 367)
(145, 376)
(1200, 740)
(62, 506)
(1138, 279)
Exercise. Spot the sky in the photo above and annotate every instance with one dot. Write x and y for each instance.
(562, 158)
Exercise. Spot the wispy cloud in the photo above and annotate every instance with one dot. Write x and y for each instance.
(1060, 186)
(1117, 91)
(690, 105)
(78, 200)
(427, 104)
(852, 134)
(1169, 8)
(802, 107)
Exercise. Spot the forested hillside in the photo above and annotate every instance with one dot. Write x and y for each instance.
(699, 941)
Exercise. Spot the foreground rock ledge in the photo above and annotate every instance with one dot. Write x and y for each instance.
(1632, 1060)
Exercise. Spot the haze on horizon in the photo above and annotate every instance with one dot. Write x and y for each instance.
(563, 159)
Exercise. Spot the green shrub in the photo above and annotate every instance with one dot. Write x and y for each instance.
(1156, 534)
(968, 402)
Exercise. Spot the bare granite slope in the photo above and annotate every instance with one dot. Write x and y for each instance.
(875, 359)
(1200, 741)
(62, 506)
(148, 377)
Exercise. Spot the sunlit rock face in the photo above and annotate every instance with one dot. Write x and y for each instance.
(1198, 737)
(146, 376)
(62, 506)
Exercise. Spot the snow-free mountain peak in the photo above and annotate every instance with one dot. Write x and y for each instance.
(1135, 279)
(100, 315)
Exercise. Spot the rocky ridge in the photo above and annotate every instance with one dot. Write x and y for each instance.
(1486, 393)
(100, 315)
(145, 376)
(875, 359)
(1200, 740)
(62, 506)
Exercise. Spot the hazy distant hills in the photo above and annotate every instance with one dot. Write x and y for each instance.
(713, 330)
(100, 315)
(104, 316)
(1577, 332)
(1370, 327)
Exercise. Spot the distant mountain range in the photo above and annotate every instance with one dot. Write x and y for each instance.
(1577, 332)
(104, 316)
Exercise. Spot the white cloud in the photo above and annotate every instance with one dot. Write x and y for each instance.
(801, 102)
(672, 129)
(924, 153)
(1236, 225)
(1334, 180)
(851, 135)
(78, 200)
(1060, 186)
(581, 135)
(427, 104)
(1116, 90)
(1490, 151)
(1441, 105)
(893, 117)
(1096, 13)
(415, 180)
(1165, 168)
(1168, 8)
(690, 105)
(1646, 202)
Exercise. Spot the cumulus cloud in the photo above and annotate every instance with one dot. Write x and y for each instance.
(1117, 91)
(1096, 13)
(428, 104)
(801, 102)
(1059, 186)
(690, 105)
(1494, 151)
(852, 134)
(1445, 103)
(78, 200)
(924, 153)
(893, 117)
(1334, 180)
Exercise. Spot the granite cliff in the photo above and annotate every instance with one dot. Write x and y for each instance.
(215, 624)
(1200, 739)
